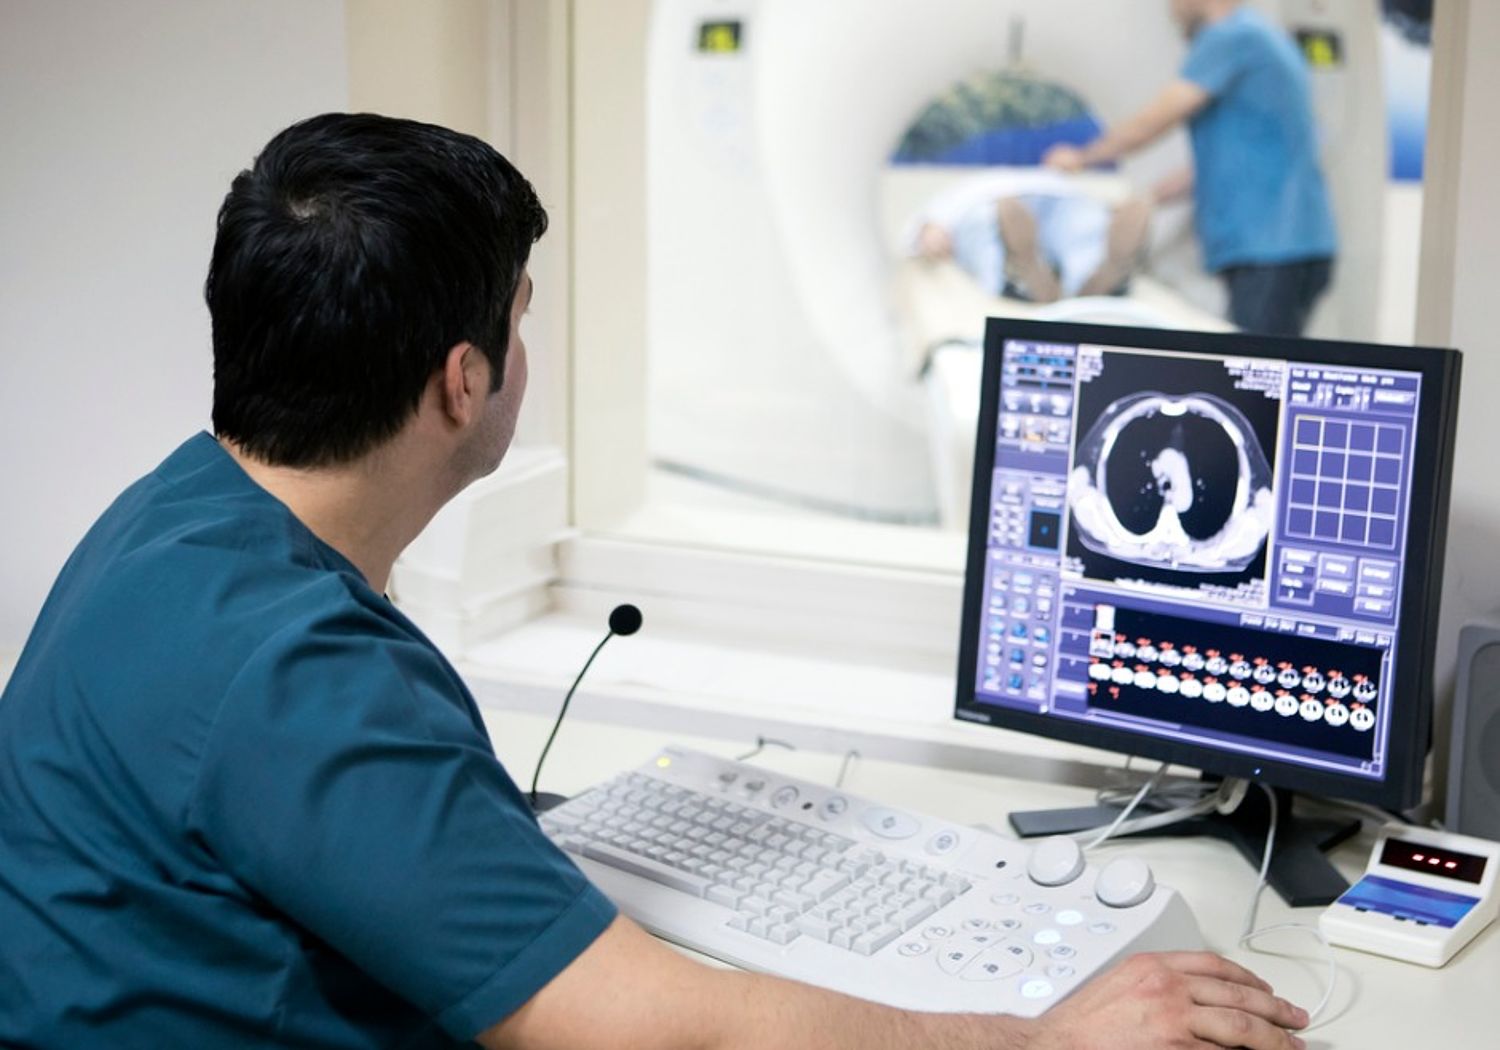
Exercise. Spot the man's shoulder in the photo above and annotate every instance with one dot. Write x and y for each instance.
(1242, 28)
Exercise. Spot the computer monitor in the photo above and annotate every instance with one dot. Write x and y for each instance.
(1221, 550)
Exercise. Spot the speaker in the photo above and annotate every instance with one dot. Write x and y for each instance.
(1474, 755)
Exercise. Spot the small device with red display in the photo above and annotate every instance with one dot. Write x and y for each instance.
(1424, 895)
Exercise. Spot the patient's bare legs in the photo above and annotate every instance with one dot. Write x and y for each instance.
(1024, 264)
(1030, 271)
(1128, 226)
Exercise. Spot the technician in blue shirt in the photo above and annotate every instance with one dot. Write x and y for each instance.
(245, 803)
(1262, 207)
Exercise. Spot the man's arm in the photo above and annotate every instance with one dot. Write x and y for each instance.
(628, 990)
(1178, 101)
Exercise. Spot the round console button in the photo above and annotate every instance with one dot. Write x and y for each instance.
(911, 948)
(1125, 882)
(1055, 861)
(888, 823)
(1069, 917)
(1036, 988)
(945, 841)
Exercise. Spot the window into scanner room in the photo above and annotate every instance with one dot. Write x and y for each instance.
(839, 193)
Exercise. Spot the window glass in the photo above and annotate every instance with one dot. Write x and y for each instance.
(838, 194)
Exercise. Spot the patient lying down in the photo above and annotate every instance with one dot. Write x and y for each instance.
(1037, 246)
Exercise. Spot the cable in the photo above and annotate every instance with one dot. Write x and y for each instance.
(1171, 794)
(1146, 789)
(1174, 794)
(761, 743)
(1161, 820)
(1265, 864)
(849, 757)
(1250, 933)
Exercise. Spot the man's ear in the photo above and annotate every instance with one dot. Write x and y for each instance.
(463, 383)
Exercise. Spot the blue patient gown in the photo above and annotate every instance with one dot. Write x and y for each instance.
(244, 802)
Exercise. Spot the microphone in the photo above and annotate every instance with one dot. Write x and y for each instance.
(623, 619)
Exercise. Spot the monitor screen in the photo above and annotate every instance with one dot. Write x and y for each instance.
(1222, 550)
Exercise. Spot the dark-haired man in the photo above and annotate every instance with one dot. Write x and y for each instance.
(244, 802)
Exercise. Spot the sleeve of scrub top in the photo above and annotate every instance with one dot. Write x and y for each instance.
(344, 783)
(1216, 59)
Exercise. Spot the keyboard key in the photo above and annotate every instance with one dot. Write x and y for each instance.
(815, 926)
(646, 868)
(911, 914)
(781, 934)
(871, 941)
(792, 899)
(725, 895)
(990, 967)
(825, 883)
(954, 957)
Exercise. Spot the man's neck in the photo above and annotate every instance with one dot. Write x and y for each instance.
(368, 510)
(1218, 10)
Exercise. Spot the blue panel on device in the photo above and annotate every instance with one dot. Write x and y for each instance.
(1402, 900)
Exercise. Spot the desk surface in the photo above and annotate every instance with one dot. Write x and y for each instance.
(1378, 1002)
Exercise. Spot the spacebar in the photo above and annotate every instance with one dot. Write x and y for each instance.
(646, 868)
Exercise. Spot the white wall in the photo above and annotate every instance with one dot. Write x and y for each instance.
(1457, 302)
(121, 125)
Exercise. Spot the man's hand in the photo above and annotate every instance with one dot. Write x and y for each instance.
(1167, 1001)
(1064, 158)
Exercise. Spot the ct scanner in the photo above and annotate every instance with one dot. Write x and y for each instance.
(789, 352)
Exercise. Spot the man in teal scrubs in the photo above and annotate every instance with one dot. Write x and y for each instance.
(1261, 204)
(245, 803)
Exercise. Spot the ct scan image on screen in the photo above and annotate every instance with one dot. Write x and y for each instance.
(1204, 547)
(1172, 487)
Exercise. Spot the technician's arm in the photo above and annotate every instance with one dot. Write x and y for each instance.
(1178, 101)
(628, 991)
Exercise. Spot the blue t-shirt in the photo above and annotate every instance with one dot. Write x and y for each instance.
(1260, 192)
(244, 802)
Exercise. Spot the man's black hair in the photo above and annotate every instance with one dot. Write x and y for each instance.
(354, 253)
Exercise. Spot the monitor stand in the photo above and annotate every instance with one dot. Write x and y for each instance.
(1299, 871)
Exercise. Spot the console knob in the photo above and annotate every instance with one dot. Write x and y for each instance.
(1124, 882)
(1055, 861)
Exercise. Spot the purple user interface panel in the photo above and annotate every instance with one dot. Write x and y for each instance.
(1199, 547)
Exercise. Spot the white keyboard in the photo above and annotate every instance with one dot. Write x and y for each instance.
(797, 879)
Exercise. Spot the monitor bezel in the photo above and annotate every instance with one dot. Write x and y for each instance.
(1416, 643)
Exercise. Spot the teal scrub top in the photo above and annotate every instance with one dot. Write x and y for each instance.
(244, 802)
(1260, 194)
